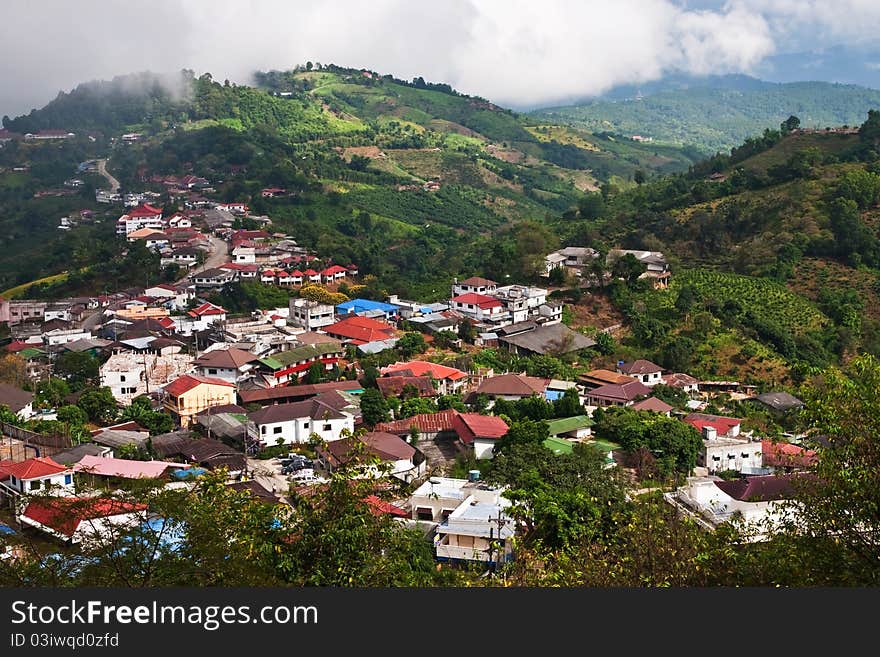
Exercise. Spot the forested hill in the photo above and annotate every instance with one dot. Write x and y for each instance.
(716, 113)
(411, 180)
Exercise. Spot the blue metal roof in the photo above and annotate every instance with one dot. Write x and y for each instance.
(356, 306)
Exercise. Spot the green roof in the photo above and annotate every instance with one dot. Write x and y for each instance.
(31, 352)
(309, 351)
(603, 445)
(558, 445)
(566, 424)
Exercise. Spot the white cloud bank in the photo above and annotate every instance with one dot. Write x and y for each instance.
(514, 52)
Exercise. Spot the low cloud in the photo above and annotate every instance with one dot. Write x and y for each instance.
(515, 52)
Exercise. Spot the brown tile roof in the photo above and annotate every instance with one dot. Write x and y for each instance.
(226, 358)
(513, 384)
(620, 392)
(425, 423)
(394, 385)
(14, 397)
(759, 489)
(311, 408)
(652, 404)
(296, 392)
(640, 366)
(383, 445)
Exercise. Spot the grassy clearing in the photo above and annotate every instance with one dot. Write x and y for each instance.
(17, 291)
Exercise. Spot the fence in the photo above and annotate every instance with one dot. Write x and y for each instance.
(45, 444)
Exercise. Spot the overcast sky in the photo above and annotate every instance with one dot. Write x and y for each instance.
(515, 52)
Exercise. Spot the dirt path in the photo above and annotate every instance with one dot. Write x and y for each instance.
(102, 169)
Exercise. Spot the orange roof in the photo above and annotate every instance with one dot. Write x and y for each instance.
(187, 382)
(34, 468)
(424, 422)
(423, 368)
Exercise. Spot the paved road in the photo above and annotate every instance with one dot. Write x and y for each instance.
(216, 257)
(102, 169)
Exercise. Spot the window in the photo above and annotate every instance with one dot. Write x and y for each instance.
(731, 456)
(716, 458)
(68, 479)
(277, 430)
(305, 425)
(328, 427)
(424, 513)
(122, 378)
(745, 455)
(34, 485)
(212, 370)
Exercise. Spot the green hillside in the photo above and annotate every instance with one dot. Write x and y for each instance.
(717, 117)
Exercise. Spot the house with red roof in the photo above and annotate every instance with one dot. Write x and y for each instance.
(479, 433)
(272, 192)
(333, 274)
(268, 276)
(35, 475)
(719, 426)
(140, 216)
(429, 425)
(312, 276)
(83, 520)
(191, 394)
(208, 313)
(360, 330)
(480, 308)
(448, 380)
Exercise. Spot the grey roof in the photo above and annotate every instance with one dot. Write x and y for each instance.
(555, 338)
(377, 345)
(117, 438)
(14, 397)
(779, 401)
(168, 444)
(311, 408)
(84, 344)
(222, 425)
(74, 454)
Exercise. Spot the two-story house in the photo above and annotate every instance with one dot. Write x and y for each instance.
(191, 394)
(296, 422)
(233, 365)
(642, 370)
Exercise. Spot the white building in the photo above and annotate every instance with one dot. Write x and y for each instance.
(722, 453)
(756, 504)
(470, 519)
(295, 423)
(642, 370)
(311, 315)
(35, 475)
(129, 375)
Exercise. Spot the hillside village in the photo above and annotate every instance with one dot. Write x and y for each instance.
(519, 399)
(280, 399)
